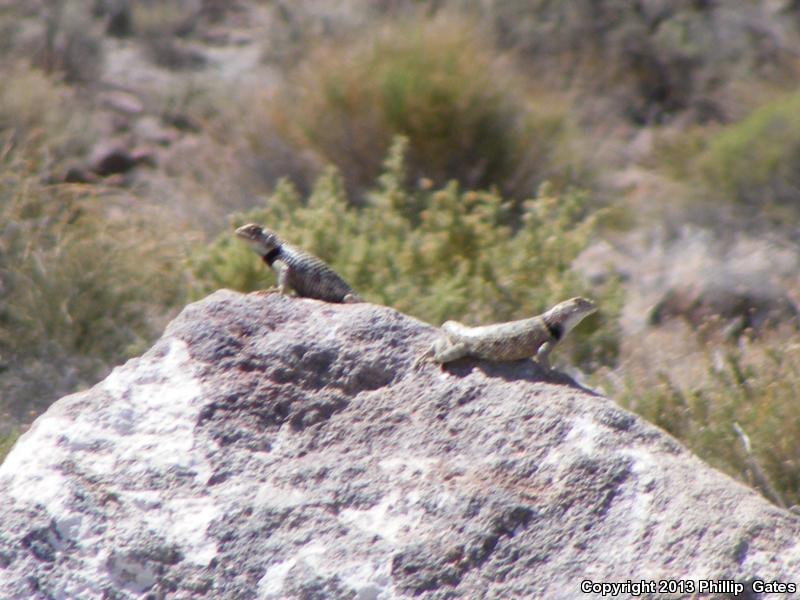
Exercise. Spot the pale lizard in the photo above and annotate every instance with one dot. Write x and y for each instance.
(514, 340)
(297, 270)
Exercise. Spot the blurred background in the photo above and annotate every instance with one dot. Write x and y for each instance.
(476, 160)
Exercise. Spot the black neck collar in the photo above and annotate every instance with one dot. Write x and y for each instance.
(556, 330)
(271, 256)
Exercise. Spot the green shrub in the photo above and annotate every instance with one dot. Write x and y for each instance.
(468, 116)
(7, 441)
(756, 161)
(434, 253)
(751, 388)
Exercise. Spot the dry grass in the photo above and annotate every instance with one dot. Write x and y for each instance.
(732, 404)
(42, 116)
(87, 277)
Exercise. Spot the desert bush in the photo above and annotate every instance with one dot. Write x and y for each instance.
(433, 252)
(159, 26)
(86, 283)
(756, 161)
(10, 17)
(297, 27)
(648, 62)
(733, 405)
(40, 117)
(152, 18)
(741, 175)
(466, 112)
(70, 43)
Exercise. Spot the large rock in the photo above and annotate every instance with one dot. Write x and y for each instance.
(271, 447)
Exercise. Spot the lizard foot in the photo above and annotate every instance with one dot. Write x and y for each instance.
(272, 290)
(422, 357)
(352, 299)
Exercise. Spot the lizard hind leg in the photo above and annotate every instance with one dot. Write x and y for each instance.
(352, 298)
(445, 352)
(429, 354)
(452, 328)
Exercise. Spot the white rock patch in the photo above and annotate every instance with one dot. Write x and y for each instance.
(149, 424)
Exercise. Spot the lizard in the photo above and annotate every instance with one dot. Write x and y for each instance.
(513, 340)
(297, 270)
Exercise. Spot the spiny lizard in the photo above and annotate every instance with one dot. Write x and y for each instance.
(526, 338)
(297, 270)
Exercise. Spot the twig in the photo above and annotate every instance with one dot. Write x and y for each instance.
(760, 478)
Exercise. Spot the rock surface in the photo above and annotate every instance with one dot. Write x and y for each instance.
(271, 447)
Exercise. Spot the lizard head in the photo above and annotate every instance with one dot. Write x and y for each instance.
(261, 240)
(567, 314)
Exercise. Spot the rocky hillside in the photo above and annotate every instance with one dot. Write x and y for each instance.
(268, 447)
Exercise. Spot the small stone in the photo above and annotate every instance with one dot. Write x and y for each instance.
(109, 158)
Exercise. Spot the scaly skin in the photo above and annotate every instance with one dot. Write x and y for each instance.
(515, 340)
(297, 270)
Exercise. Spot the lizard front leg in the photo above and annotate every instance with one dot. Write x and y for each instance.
(282, 271)
(543, 355)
